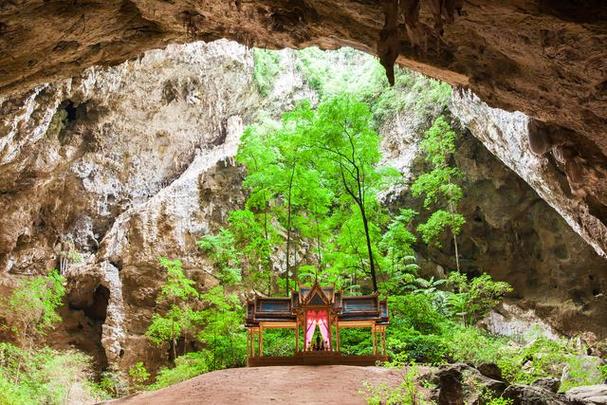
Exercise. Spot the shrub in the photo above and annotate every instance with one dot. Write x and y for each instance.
(471, 345)
(416, 311)
(44, 376)
(187, 366)
(475, 298)
(406, 393)
(542, 358)
(139, 375)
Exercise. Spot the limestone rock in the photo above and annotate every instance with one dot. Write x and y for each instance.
(550, 384)
(588, 395)
(530, 395)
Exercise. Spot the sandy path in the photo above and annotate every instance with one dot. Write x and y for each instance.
(272, 385)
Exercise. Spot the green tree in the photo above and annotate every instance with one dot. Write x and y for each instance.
(397, 248)
(439, 186)
(178, 297)
(348, 154)
(222, 332)
(263, 172)
(31, 309)
(473, 299)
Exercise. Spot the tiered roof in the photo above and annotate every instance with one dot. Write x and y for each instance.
(347, 308)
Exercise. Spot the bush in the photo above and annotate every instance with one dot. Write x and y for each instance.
(45, 376)
(415, 311)
(31, 309)
(187, 366)
(279, 342)
(355, 341)
(139, 375)
(473, 346)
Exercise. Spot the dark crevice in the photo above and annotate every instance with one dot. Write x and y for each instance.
(97, 310)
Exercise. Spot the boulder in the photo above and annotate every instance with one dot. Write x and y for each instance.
(531, 395)
(462, 384)
(550, 384)
(490, 370)
(591, 394)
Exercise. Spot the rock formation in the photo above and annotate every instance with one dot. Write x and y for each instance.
(544, 58)
(103, 173)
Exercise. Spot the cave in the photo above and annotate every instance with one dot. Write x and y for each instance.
(156, 97)
(97, 309)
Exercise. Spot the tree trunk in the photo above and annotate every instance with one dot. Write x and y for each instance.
(318, 244)
(369, 248)
(289, 206)
(456, 252)
(174, 349)
(265, 235)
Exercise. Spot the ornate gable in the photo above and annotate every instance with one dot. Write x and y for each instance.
(316, 296)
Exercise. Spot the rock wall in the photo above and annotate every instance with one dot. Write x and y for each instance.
(545, 58)
(106, 172)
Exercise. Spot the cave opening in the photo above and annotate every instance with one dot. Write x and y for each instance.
(73, 111)
(108, 167)
(97, 309)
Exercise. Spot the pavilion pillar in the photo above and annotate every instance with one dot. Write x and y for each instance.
(297, 337)
(384, 340)
(373, 337)
(248, 342)
(260, 341)
(337, 336)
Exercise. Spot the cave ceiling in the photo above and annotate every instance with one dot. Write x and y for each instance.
(545, 58)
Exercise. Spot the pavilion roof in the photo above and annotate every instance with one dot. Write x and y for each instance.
(347, 308)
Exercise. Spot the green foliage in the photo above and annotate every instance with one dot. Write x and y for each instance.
(355, 341)
(580, 373)
(177, 299)
(313, 181)
(603, 371)
(187, 366)
(347, 71)
(112, 383)
(469, 344)
(407, 393)
(473, 299)
(439, 186)
(31, 309)
(490, 400)
(177, 286)
(220, 332)
(438, 223)
(439, 142)
(267, 67)
(278, 342)
(222, 251)
(542, 358)
(45, 376)
(138, 375)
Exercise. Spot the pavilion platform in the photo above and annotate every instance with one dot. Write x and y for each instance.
(317, 359)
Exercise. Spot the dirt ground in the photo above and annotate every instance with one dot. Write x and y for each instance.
(272, 385)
